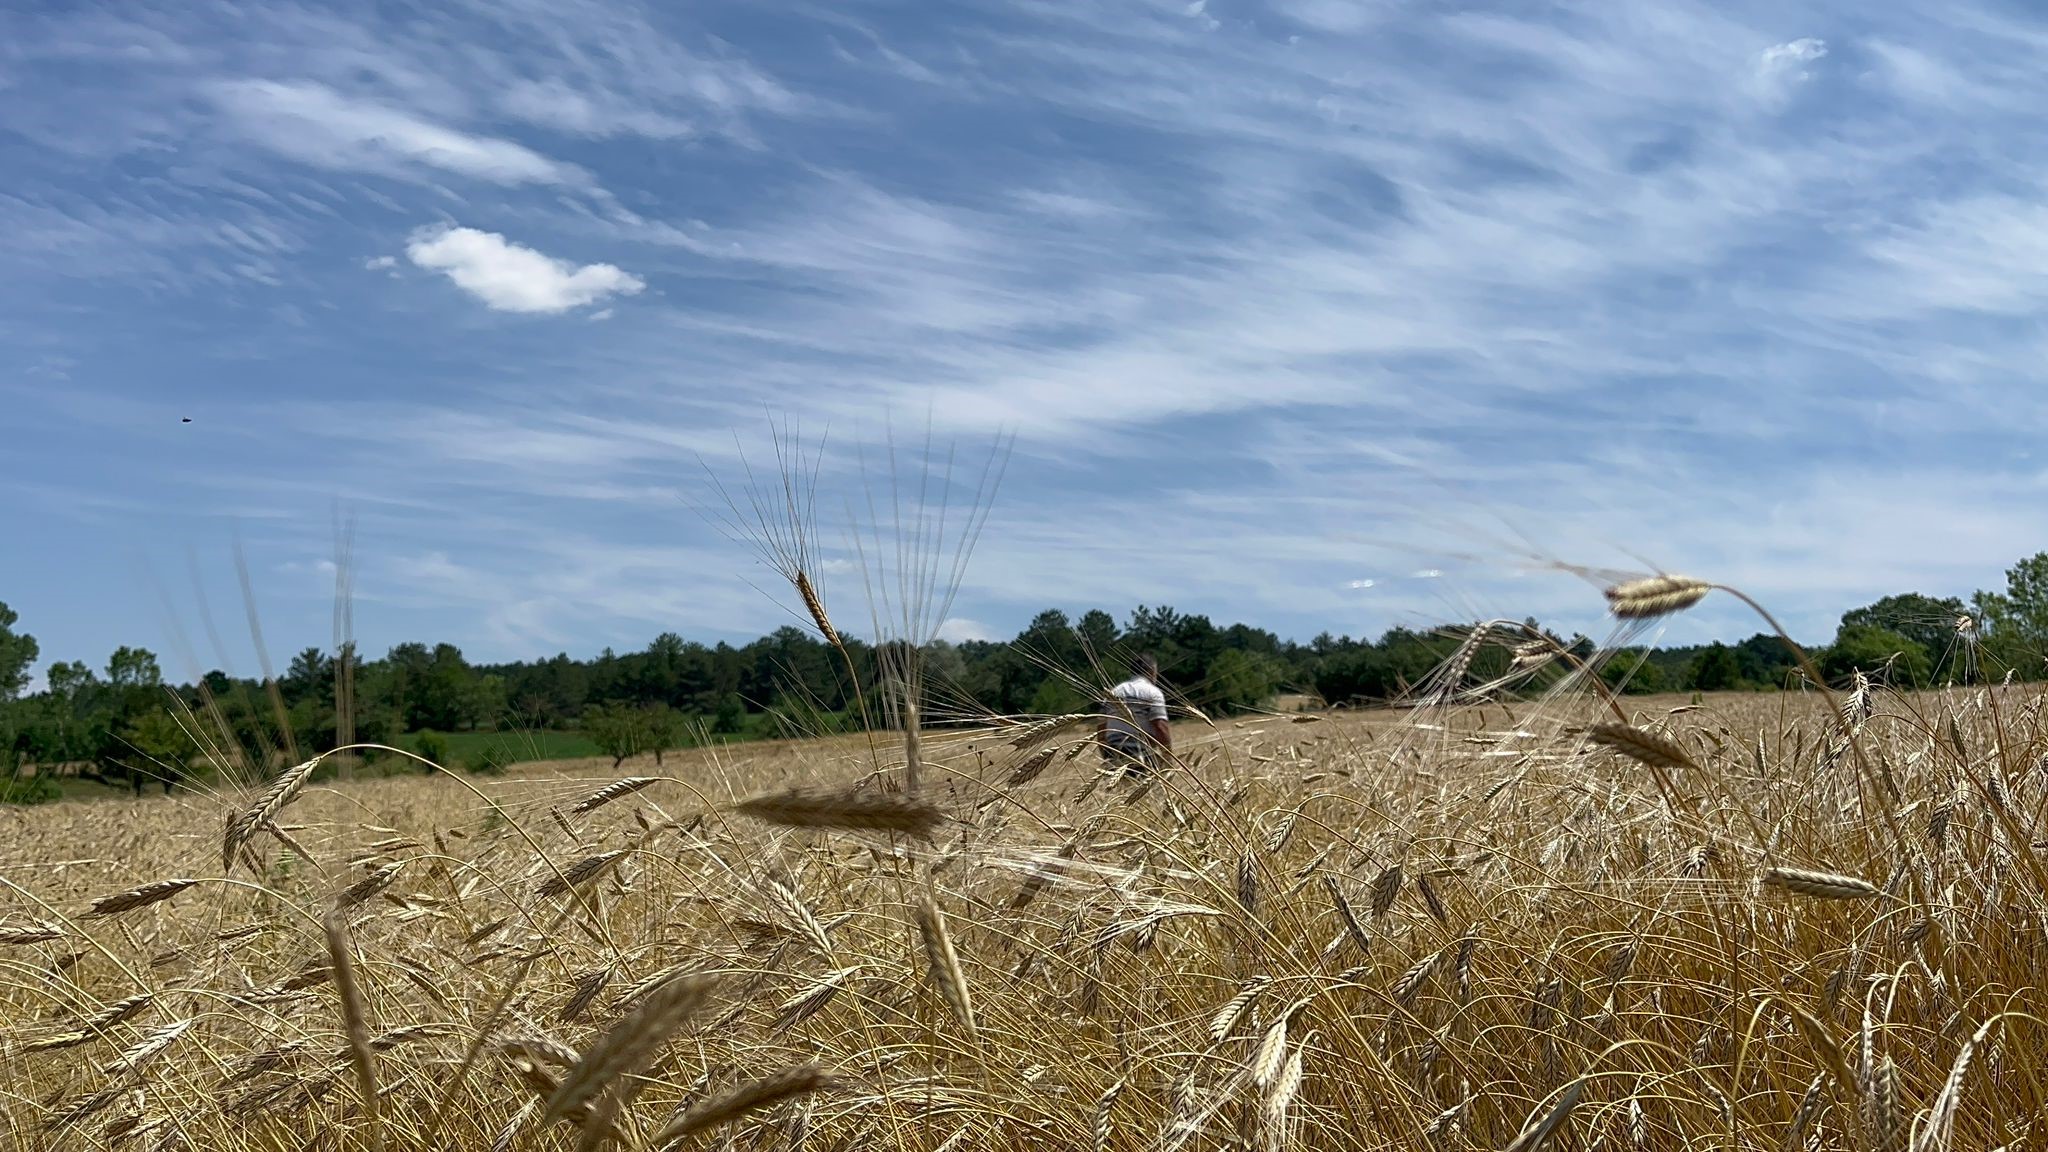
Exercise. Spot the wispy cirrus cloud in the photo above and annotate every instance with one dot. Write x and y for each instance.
(314, 124)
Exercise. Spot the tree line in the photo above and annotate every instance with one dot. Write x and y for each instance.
(124, 722)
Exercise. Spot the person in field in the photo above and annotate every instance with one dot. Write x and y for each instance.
(1133, 731)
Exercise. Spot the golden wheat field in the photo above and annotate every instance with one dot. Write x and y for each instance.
(1724, 926)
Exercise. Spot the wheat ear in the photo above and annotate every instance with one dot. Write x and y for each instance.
(1821, 885)
(141, 897)
(33, 932)
(1655, 596)
(1642, 746)
(630, 1042)
(281, 792)
(868, 811)
(1534, 1136)
(753, 1096)
(816, 607)
(611, 792)
(945, 963)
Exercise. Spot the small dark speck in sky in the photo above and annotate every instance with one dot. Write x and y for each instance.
(185, 420)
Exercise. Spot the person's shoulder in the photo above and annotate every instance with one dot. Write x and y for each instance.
(1140, 686)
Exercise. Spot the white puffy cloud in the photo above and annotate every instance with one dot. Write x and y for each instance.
(959, 629)
(512, 277)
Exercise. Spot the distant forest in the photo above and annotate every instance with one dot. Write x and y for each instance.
(125, 720)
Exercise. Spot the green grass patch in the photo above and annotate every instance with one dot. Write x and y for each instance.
(513, 747)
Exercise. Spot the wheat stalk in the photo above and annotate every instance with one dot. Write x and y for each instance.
(1029, 769)
(1385, 887)
(150, 1045)
(1540, 1130)
(1038, 732)
(813, 604)
(1233, 1010)
(1279, 1095)
(368, 886)
(1104, 1104)
(580, 873)
(583, 992)
(355, 1022)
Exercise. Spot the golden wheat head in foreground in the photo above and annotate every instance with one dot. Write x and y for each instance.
(1764, 923)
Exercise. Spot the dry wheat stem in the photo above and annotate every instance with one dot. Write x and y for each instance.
(1538, 1132)
(356, 1023)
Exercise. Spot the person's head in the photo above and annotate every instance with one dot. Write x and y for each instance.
(1146, 666)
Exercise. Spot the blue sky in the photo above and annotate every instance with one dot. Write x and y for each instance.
(1289, 304)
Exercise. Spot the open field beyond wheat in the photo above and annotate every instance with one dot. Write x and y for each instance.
(1466, 929)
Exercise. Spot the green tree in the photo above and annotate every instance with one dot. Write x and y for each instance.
(1643, 677)
(310, 677)
(1874, 651)
(659, 727)
(18, 654)
(1239, 680)
(1098, 635)
(1928, 621)
(2014, 623)
(133, 668)
(1714, 670)
(616, 730)
(157, 748)
(1052, 696)
(731, 717)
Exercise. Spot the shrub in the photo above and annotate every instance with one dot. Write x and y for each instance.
(433, 746)
(17, 789)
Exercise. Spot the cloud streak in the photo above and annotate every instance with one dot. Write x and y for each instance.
(316, 125)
